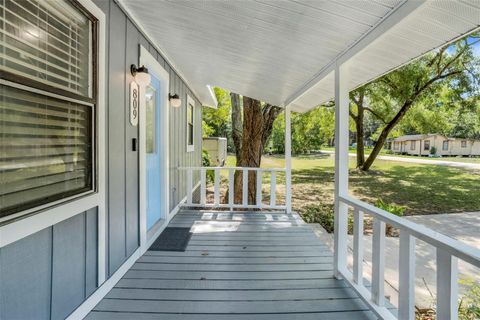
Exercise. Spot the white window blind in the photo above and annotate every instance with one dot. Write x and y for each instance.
(47, 41)
(47, 103)
(45, 149)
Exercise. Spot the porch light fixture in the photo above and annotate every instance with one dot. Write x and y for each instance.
(175, 100)
(140, 75)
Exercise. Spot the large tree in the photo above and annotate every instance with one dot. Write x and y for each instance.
(390, 97)
(250, 133)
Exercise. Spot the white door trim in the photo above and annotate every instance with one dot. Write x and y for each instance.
(157, 70)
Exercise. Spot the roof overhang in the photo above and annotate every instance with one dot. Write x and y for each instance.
(285, 52)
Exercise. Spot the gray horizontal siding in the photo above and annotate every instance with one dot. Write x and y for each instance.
(50, 273)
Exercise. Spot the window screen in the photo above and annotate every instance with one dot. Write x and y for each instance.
(46, 122)
(190, 127)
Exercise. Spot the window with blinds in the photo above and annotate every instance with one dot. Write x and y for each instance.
(47, 102)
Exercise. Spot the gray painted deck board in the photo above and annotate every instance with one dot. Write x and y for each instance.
(241, 266)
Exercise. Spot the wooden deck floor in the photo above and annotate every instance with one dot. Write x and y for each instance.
(236, 266)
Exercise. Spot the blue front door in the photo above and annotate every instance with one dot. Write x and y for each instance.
(153, 154)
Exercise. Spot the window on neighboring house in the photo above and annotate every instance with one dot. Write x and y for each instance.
(426, 145)
(445, 145)
(464, 143)
(190, 124)
(47, 108)
(395, 145)
(413, 145)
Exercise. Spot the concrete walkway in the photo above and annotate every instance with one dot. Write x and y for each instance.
(421, 160)
(461, 226)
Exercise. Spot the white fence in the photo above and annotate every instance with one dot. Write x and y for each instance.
(217, 203)
(448, 253)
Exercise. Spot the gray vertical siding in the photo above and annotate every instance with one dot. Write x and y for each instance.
(47, 275)
(50, 273)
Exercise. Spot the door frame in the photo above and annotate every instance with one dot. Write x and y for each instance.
(154, 68)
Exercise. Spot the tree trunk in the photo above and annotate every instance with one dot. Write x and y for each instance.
(251, 154)
(250, 136)
(237, 125)
(360, 137)
(384, 135)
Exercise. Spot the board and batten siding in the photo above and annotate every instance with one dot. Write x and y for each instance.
(50, 273)
(123, 41)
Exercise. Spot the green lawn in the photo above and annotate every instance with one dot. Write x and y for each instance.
(422, 189)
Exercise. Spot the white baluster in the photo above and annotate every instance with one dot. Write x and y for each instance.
(358, 246)
(231, 188)
(259, 188)
(273, 188)
(406, 277)
(189, 186)
(245, 187)
(216, 187)
(203, 186)
(447, 286)
(378, 262)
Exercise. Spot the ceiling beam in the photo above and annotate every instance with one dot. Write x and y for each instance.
(388, 22)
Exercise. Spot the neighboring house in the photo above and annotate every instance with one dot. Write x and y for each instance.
(421, 145)
(100, 147)
(217, 150)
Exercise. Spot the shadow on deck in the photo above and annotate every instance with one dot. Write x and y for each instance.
(237, 266)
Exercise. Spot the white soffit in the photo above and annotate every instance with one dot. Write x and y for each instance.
(272, 49)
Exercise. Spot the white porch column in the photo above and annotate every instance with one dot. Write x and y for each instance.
(341, 168)
(288, 160)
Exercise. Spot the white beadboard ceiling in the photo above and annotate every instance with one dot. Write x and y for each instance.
(284, 51)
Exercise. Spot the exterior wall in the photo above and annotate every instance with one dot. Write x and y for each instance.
(48, 274)
(123, 41)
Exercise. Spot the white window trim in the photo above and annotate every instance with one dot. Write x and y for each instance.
(57, 212)
(190, 101)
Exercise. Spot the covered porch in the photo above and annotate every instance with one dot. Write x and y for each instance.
(237, 265)
(242, 265)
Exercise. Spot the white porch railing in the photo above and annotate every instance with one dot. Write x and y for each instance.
(448, 252)
(217, 203)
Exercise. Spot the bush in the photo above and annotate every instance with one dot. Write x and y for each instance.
(469, 304)
(324, 215)
(399, 211)
(433, 151)
(206, 162)
(393, 209)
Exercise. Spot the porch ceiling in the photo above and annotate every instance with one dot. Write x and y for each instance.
(284, 52)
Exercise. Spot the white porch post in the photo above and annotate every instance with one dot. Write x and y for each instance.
(288, 160)
(341, 168)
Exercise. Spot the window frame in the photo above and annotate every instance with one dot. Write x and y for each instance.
(29, 85)
(426, 145)
(190, 102)
(413, 145)
(445, 143)
(463, 144)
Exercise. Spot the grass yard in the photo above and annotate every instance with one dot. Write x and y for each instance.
(420, 188)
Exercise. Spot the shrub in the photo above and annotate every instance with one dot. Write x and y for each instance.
(206, 162)
(324, 215)
(433, 151)
(399, 211)
(469, 304)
